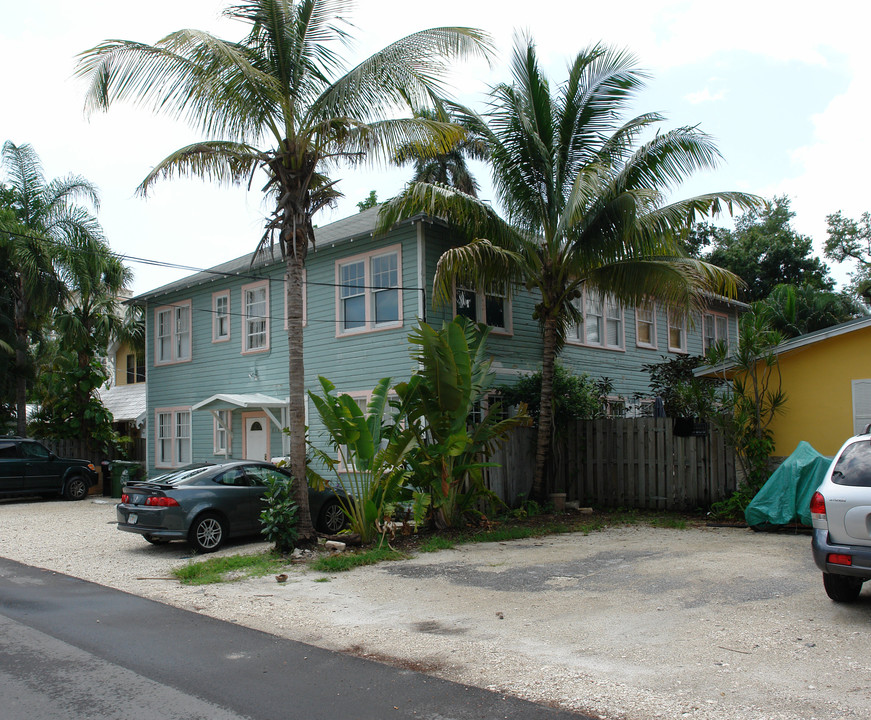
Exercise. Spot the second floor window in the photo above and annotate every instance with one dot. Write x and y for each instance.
(221, 316)
(715, 329)
(602, 323)
(255, 317)
(369, 296)
(645, 325)
(135, 368)
(173, 333)
(677, 332)
(492, 309)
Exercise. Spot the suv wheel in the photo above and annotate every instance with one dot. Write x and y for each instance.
(76, 489)
(842, 588)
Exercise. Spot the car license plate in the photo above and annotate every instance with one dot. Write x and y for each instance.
(132, 519)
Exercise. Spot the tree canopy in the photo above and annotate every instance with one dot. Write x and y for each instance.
(764, 250)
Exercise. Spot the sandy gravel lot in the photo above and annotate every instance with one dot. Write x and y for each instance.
(631, 623)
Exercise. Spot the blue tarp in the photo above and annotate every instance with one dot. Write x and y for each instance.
(786, 497)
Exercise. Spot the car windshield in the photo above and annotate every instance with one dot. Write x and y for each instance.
(854, 466)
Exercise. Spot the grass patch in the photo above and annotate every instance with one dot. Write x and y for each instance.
(322, 579)
(348, 561)
(436, 543)
(519, 532)
(229, 569)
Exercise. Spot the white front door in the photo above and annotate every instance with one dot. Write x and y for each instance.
(256, 442)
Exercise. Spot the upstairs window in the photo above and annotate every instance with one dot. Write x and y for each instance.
(677, 332)
(135, 368)
(715, 329)
(255, 317)
(493, 309)
(645, 325)
(221, 316)
(602, 323)
(369, 297)
(173, 333)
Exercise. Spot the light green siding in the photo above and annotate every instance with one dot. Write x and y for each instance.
(353, 362)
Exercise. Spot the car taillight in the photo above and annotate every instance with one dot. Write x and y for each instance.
(839, 559)
(125, 498)
(818, 504)
(161, 501)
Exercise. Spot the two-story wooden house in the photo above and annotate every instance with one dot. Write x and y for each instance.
(216, 348)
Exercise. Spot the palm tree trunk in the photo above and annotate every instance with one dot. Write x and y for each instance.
(295, 263)
(545, 413)
(21, 361)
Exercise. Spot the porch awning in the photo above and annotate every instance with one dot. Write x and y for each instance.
(232, 401)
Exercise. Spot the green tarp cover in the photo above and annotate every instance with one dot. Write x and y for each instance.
(786, 497)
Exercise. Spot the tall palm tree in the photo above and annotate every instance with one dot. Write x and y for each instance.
(46, 221)
(448, 167)
(282, 101)
(584, 203)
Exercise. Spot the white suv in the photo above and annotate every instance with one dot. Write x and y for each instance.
(841, 512)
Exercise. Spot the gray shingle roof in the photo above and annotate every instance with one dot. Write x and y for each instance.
(355, 226)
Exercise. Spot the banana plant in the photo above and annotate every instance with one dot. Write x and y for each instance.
(437, 405)
(367, 460)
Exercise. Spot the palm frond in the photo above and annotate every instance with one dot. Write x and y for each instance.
(222, 162)
(479, 264)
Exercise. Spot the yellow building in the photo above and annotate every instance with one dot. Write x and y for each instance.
(827, 379)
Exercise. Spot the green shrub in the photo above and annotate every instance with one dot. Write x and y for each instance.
(279, 517)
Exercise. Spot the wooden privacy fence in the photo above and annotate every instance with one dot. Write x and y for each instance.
(631, 463)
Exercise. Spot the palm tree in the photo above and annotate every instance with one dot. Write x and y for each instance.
(585, 204)
(448, 167)
(282, 101)
(45, 221)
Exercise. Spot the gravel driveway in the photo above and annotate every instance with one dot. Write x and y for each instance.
(631, 622)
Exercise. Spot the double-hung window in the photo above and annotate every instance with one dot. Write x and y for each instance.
(255, 317)
(135, 368)
(173, 437)
(601, 324)
(715, 329)
(221, 316)
(173, 333)
(369, 296)
(222, 431)
(493, 309)
(677, 331)
(645, 325)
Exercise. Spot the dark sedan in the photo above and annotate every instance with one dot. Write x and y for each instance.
(207, 505)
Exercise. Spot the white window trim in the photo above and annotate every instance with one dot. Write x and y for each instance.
(173, 334)
(215, 337)
(653, 334)
(224, 451)
(369, 325)
(264, 284)
(304, 299)
(481, 309)
(672, 315)
(714, 315)
(580, 333)
(174, 461)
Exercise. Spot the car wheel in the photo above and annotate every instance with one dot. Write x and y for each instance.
(842, 588)
(207, 533)
(332, 519)
(155, 540)
(76, 489)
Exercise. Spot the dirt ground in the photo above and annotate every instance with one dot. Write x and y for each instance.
(632, 622)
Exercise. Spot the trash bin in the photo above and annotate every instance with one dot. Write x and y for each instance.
(123, 472)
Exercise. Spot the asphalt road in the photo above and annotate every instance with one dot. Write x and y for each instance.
(74, 649)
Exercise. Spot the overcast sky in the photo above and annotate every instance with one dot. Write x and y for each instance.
(781, 88)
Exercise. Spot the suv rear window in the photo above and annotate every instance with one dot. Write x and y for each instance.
(8, 449)
(854, 466)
